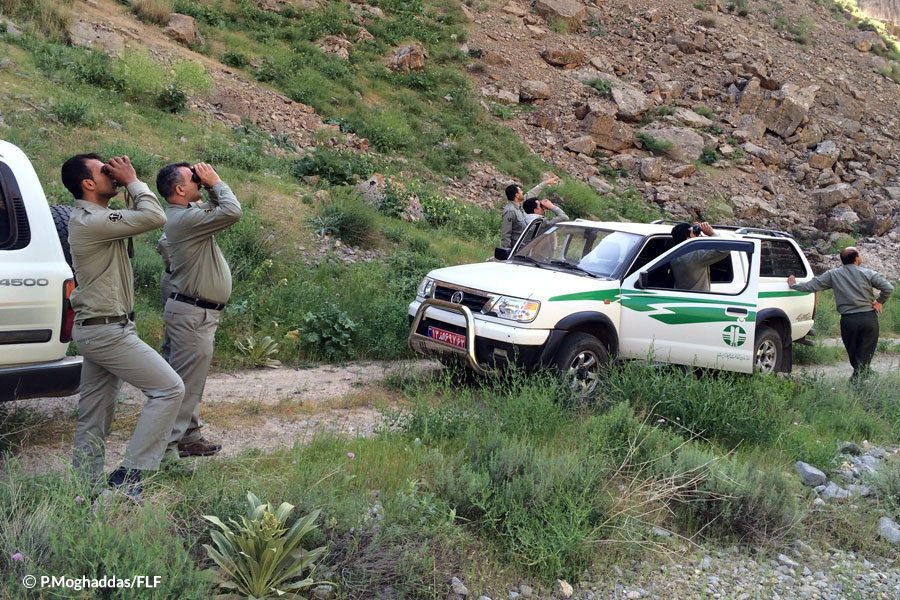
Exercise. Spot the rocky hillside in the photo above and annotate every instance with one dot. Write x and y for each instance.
(777, 118)
(886, 10)
(756, 112)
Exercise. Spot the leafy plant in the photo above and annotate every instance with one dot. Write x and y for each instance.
(653, 145)
(329, 330)
(705, 111)
(259, 556)
(235, 59)
(74, 111)
(709, 155)
(602, 87)
(152, 11)
(172, 99)
(347, 216)
(334, 166)
(260, 352)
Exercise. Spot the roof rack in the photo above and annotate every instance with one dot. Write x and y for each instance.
(735, 228)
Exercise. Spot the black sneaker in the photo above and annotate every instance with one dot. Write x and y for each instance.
(128, 481)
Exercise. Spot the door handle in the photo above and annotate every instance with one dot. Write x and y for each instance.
(737, 311)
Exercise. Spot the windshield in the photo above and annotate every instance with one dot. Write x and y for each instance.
(599, 252)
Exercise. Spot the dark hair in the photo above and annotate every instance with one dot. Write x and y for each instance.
(169, 176)
(75, 170)
(511, 191)
(849, 255)
(529, 206)
(681, 232)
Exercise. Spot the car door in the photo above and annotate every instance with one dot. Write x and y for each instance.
(702, 328)
(528, 234)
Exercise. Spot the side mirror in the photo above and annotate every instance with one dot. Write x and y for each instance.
(642, 280)
(501, 253)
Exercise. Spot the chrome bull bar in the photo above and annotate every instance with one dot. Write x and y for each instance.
(422, 344)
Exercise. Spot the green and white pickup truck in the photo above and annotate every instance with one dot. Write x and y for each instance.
(584, 292)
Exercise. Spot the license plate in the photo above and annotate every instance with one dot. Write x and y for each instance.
(440, 335)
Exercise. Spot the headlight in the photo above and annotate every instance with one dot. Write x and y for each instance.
(516, 309)
(426, 288)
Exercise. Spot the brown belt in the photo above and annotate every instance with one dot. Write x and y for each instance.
(197, 302)
(106, 320)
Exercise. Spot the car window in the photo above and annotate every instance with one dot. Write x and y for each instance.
(779, 258)
(597, 251)
(14, 230)
(724, 278)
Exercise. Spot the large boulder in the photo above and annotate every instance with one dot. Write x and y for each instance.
(869, 40)
(570, 11)
(582, 145)
(407, 59)
(96, 37)
(691, 119)
(785, 109)
(631, 103)
(834, 195)
(533, 90)
(767, 155)
(183, 29)
(651, 169)
(750, 98)
(810, 475)
(746, 207)
(336, 45)
(825, 155)
(750, 129)
(687, 144)
(609, 133)
(563, 57)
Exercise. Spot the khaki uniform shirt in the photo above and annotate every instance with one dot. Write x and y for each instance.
(162, 247)
(852, 287)
(97, 237)
(198, 266)
(512, 219)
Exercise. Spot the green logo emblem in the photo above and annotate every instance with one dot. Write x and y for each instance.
(734, 336)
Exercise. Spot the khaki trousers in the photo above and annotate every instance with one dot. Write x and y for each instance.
(166, 289)
(191, 332)
(113, 353)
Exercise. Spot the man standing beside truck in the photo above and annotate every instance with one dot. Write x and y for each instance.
(512, 220)
(855, 300)
(201, 281)
(104, 330)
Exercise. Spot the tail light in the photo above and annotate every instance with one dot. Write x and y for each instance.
(68, 314)
(815, 304)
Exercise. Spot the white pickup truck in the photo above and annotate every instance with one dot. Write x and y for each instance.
(35, 282)
(585, 292)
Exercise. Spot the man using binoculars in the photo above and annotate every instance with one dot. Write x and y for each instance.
(201, 280)
(691, 270)
(104, 330)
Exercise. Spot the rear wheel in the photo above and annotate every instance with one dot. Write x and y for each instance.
(582, 360)
(768, 351)
(61, 216)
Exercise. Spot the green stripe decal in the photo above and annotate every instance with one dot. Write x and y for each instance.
(675, 310)
(685, 315)
(596, 295)
(783, 294)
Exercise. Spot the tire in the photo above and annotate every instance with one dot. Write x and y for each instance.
(61, 216)
(768, 351)
(582, 360)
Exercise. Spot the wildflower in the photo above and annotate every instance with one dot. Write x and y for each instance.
(350, 455)
(832, 388)
(79, 499)
(796, 423)
(661, 421)
(293, 462)
(677, 418)
(867, 381)
(18, 557)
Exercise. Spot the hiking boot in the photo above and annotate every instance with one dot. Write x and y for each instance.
(127, 481)
(199, 447)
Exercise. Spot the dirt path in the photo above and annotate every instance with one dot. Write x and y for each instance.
(249, 409)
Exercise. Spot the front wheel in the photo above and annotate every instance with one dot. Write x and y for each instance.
(768, 351)
(581, 360)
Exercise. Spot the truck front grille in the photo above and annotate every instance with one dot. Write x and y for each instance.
(474, 301)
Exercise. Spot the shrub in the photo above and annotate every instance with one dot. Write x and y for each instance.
(653, 145)
(892, 72)
(235, 59)
(74, 111)
(191, 77)
(50, 17)
(601, 87)
(334, 166)
(152, 11)
(709, 155)
(886, 485)
(172, 99)
(728, 408)
(731, 498)
(141, 76)
(352, 220)
(328, 331)
(705, 111)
